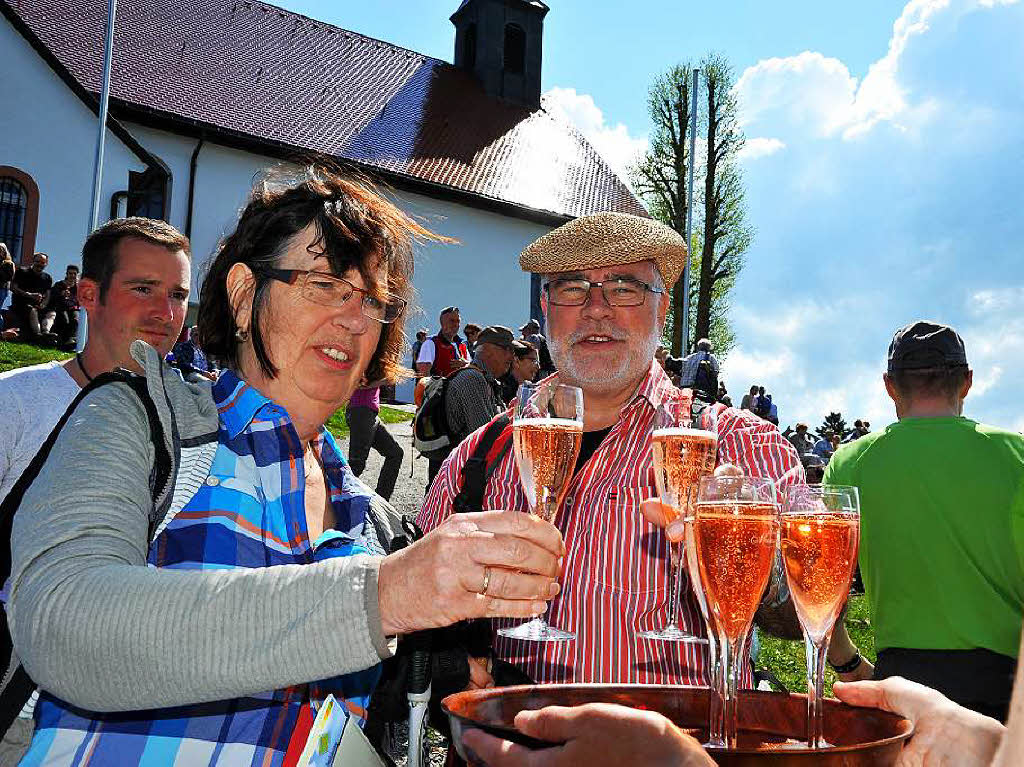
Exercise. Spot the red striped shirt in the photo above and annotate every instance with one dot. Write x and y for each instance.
(616, 574)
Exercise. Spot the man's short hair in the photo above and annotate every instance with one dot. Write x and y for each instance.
(704, 345)
(72, 268)
(100, 252)
(448, 310)
(471, 327)
(946, 382)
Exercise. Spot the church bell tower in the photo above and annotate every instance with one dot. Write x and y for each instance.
(500, 42)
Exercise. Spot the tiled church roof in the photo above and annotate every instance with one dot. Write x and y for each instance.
(255, 70)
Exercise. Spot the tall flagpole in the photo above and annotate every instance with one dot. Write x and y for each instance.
(101, 134)
(689, 215)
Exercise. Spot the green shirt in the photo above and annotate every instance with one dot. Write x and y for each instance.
(942, 532)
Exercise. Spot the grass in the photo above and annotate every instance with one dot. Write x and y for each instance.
(336, 423)
(786, 659)
(783, 658)
(15, 355)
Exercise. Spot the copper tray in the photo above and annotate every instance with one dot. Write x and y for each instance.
(862, 736)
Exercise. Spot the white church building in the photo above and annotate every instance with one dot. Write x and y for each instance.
(207, 94)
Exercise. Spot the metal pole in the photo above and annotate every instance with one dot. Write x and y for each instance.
(689, 214)
(97, 176)
(97, 173)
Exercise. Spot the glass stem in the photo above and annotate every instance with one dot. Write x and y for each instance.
(676, 559)
(815, 690)
(716, 708)
(730, 678)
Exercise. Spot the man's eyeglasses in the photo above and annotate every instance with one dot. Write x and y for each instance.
(622, 291)
(328, 290)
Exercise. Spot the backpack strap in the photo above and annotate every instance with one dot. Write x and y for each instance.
(494, 443)
(17, 687)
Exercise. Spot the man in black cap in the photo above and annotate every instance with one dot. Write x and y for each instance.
(942, 530)
(473, 396)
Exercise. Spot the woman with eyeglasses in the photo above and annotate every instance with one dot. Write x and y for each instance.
(206, 623)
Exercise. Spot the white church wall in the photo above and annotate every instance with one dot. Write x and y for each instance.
(47, 132)
(481, 275)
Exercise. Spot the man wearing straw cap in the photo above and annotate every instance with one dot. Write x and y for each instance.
(606, 281)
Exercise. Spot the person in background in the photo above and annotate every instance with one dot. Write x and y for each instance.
(823, 447)
(134, 285)
(699, 371)
(60, 315)
(362, 414)
(801, 440)
(30, 291)
(189, 358)
(749, 399)
(942, 528)
(525, 367)
(471, 330)
(421, 336)
(7, 268)
(444, 353)
(530, 332)
(723, 395)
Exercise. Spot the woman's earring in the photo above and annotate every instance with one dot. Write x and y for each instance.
(242, 335)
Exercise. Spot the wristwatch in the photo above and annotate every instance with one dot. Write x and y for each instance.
(851, 665)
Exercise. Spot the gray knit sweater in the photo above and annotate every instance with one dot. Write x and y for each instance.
(97, 627)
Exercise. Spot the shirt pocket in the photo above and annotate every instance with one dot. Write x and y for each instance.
(629, 555)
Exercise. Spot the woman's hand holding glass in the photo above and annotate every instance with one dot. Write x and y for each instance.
(482, 565)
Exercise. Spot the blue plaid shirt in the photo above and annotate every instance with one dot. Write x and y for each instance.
(249, 513)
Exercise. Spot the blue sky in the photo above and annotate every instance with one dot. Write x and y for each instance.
(883, 168)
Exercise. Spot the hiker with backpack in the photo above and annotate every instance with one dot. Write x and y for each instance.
(464, 400)
(215, 570)
(699, 371)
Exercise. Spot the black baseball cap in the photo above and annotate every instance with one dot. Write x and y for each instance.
(926, 345)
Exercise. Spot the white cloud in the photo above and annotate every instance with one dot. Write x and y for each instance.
(755, 148)
(809, 94)
(613, 142)
(984, 302)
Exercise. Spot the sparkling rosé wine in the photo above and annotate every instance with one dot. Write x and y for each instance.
(546, 450)
(735, 546)
(681, 458)
(820, 554)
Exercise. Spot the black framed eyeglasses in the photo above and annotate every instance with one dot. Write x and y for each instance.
(328, 290)
(621, 291)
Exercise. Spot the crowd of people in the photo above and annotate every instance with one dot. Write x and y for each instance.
(215, 569)
(41, 311)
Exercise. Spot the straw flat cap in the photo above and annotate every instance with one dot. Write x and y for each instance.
(607, 239)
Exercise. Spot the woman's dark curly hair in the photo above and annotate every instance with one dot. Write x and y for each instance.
(355, 227)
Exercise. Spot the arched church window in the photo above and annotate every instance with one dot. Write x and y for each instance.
(13, 210)
(515, 49)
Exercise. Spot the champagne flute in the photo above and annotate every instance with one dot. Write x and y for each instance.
(735, 531)
(820, 536)
(547, 431)
(683, 449)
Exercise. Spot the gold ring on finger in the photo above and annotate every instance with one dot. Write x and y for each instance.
(487, 581)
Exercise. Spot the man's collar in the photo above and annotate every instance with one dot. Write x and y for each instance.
(237, 402)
